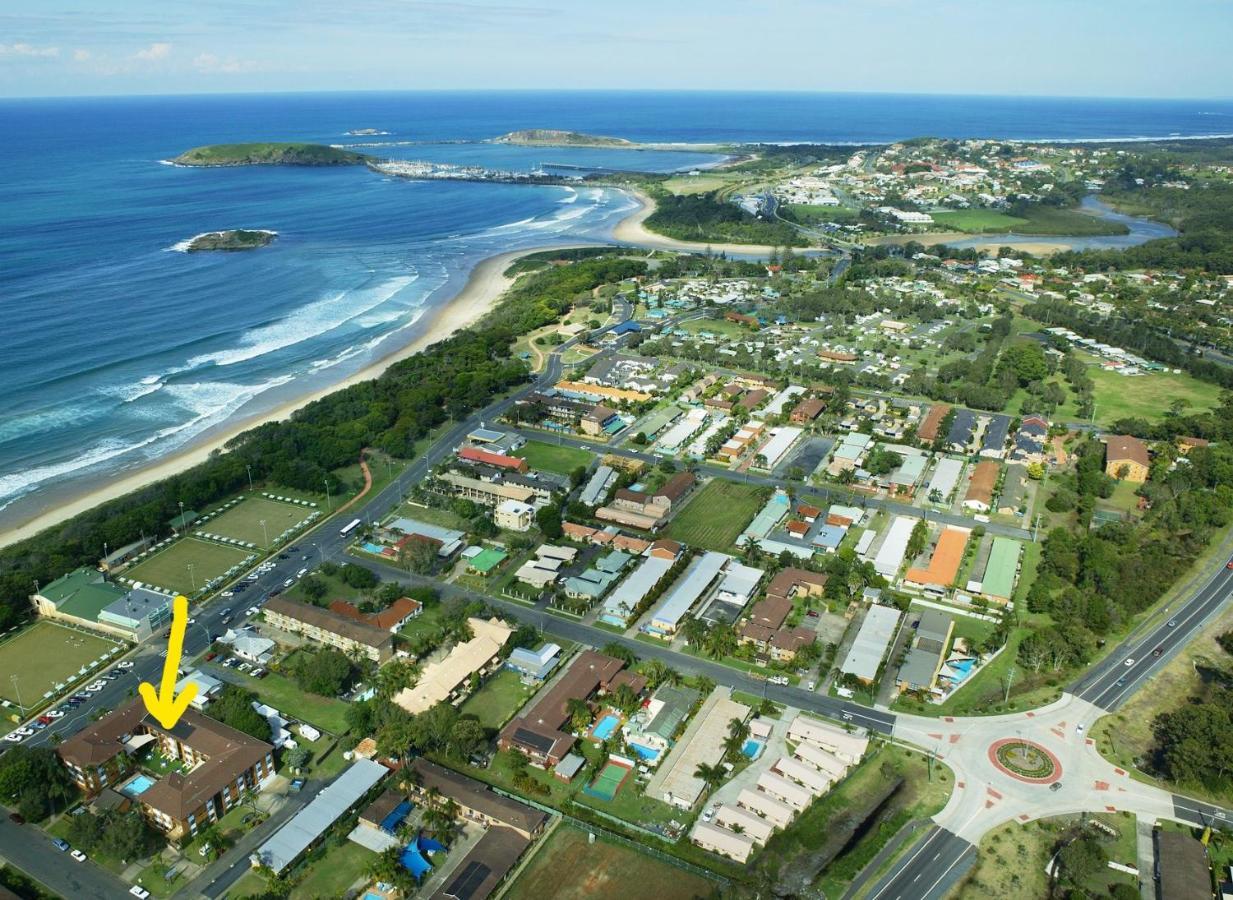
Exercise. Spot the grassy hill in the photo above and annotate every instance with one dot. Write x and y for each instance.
(270, 154)
(547, 137)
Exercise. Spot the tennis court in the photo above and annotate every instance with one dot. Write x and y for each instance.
(169, 569)
(45, 655)
(243, 522)
(608, 781)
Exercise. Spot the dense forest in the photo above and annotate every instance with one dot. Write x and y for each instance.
(447, 381)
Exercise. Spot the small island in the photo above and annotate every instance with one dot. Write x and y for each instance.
(270, 154)
(232, 240)
(365, 132)
(547, 137)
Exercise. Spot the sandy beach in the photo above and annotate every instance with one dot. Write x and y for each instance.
(484, 286)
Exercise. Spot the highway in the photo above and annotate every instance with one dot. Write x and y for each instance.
(928, 870)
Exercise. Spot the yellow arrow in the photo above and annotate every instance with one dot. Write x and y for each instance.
(165, 705)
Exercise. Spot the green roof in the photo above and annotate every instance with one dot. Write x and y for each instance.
(999, 580)
(184, 520)
(487, 560)
(82, 594)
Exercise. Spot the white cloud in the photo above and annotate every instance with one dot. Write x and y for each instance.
(28, 51)
(208, 62)
(81, 55)
(156, 52)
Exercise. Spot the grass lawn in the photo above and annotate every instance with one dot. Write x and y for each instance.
(975, 221)
(498, 699)
(1012, 858)
(717, 515)
(568, 867)
(694, 184)
(332, 873)
(813, 214)
(250, 884)
(1125, 737)
(44, 655)
(168, 569)
(151, 878)
(430, 515)
(717, 326)
(1148, 396)
(551, 458)
(243, 521)
(291, 700)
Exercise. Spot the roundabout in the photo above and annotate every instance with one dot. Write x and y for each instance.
(1025, 761)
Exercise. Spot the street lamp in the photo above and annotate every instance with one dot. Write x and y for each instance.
(181, 517)
(249, 470)
(18, 692)
(192, 577)
(329, 504)
(265, 533)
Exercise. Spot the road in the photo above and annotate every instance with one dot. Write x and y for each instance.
(928, 870)
(30, 849)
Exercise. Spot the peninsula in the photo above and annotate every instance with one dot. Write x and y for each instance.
(549, 137)
(270, 154)
(231, 240)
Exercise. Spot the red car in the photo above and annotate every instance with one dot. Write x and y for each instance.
(1230, 565)
(46, 720)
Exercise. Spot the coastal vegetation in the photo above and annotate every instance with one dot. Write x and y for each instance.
(270, 154)
(391, 413)
(549, 137)
(706, 219)
(1028, 219)
(237, 239)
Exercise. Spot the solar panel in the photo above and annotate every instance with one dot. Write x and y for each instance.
(538, 742)
(468, 881)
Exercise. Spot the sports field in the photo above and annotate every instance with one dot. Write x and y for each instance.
(568, 867)
(1148, 396)
(44, 655)
(717, 515)
(169, 570)
(243, 521)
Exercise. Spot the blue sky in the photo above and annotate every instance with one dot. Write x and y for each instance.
(1136, 48)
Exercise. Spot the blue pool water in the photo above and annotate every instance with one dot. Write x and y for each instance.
(963, 669)
(373, 548)
(137, 786)
(752, 748)
(612, 620)
(606, 726)
(647, 753)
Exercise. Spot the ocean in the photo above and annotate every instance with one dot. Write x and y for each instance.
(119, 350)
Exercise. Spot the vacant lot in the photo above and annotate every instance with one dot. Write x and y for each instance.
(327, 713)
(495, 703)
(243, 521)
(1148, 396)
(170, 568)
(567, 867)
(44, 655)
(551, 458)
(717, 515)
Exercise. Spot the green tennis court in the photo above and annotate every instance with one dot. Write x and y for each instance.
(608, 781)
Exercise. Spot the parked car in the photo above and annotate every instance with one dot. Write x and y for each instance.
(205, 848)
(78, 855)
(125, 664)
(258, 672)
(13, 737)
(25, 731)
(210, 656)
(17, 818)
(60, 844)
(253, 610)
(227, 594)
(55, 714)
(139, 892)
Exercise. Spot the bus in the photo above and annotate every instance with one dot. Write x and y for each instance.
(349, 527)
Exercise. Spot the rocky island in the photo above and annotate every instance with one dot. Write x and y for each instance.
(548, 137)
(270, 154)
(234, 239)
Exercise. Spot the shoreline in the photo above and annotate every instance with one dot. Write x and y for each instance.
(485, 284)
(632, 230)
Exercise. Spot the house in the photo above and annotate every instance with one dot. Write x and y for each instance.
(514, 515)
(598, 420)
(807, 411)
(924, 660)
(222, 765)
(872, 640)
(86, 597)
(720, 840)
(932, 423)
(248, 645)
(207, 688)
(449, 680)
(534, 665)
(1185, 872)
(675, 780)
(541, 730)
(486, 493)
(390, 619)
(766, 807)
(1126, 458)
(944, 563)
(330, 628)
(642, 510)
(993, 442)
(981, 485)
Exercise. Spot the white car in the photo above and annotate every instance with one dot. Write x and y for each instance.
(125, 664)
(253, 610)
(55, 714)
(139, 892)
(1079, 728)
(227, 594)
(1129, 663)
(289, 582)
(13, 736)
(77, 855)
(25, 731)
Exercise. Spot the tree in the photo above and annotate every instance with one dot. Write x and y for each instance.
(548, 520)
(619, 651)
(313, 587)
(37, 779)
(710, 775)
(918, 540)
(579, 713)
(297, 757)
(417, 556)
(1083, 858)
(324, 672)
(357, 576)
(467, 738)
(234, 706)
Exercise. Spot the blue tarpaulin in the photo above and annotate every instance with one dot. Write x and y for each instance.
(391, 822)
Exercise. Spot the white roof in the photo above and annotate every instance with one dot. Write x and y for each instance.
(293, 838)
(871, 642)
(945, 476)
(690, 587)
(630, 592)
(890, 556)
(780, 443)
(739, 583)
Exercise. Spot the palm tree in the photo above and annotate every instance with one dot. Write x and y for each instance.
(710, 775)
(656, 673)
(579, 713)
(738, 727)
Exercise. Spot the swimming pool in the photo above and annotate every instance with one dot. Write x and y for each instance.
(373, 548)
(604, 728)
(650, 754)
(138, 786)
(752, 748)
